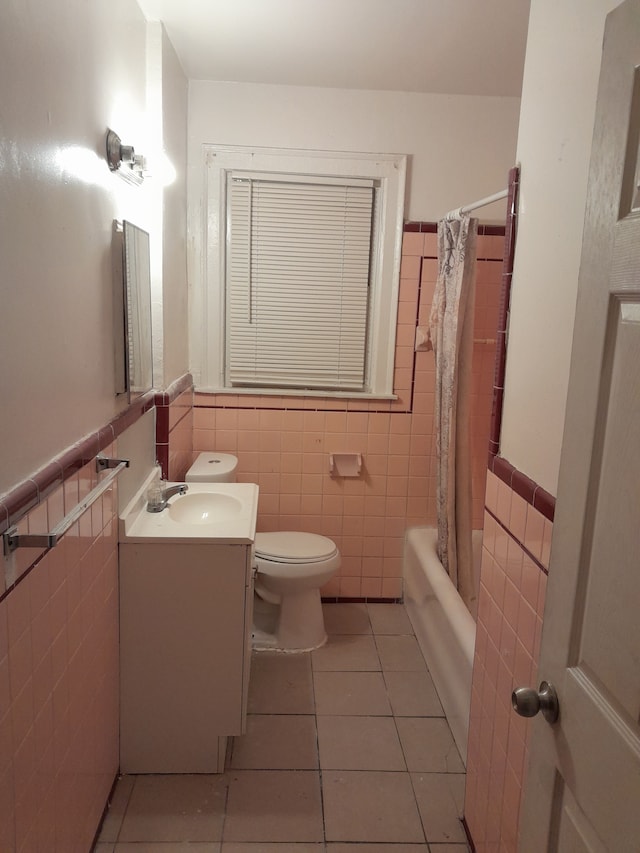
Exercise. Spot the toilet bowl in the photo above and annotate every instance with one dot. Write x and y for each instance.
(291, 568)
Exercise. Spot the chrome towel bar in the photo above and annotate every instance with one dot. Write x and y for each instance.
(12, 539)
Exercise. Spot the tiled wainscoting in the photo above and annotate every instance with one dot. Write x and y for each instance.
(283, 444)
(59, 676)
(513, 581)
(174, 432)
(59, 669)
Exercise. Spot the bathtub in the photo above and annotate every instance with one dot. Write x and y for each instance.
(444, 628)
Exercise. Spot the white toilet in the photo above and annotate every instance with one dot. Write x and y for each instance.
(291, 569)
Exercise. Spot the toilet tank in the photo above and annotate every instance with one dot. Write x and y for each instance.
(213, 468)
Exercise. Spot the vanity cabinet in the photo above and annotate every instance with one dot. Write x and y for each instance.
(185, 653)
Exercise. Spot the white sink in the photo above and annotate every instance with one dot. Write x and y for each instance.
(203, 508)
(207, 512)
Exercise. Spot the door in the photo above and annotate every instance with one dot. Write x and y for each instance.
(583, 787)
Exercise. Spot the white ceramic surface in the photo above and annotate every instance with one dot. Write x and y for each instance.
(444, 628)
(203, 508)
(220, 512)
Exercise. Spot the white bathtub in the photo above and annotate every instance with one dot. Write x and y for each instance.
(443, 626)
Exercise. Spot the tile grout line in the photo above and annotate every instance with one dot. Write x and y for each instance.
(404, 756)
(124, 811)
(315, 720)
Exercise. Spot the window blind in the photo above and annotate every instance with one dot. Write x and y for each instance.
(298, 258)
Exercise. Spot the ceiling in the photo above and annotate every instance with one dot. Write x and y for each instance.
(456, 47)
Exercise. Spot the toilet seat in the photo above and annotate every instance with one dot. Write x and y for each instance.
(293, 561)
(294, 548)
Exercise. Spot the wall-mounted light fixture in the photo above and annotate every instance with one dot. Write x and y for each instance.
(123, 160)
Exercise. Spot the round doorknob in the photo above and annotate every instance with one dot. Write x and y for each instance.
(527, 702)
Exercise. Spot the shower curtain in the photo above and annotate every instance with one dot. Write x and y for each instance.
(451, 335)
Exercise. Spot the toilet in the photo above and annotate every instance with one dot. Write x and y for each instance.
(291, 568)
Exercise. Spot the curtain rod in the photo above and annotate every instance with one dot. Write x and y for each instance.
(467, 208)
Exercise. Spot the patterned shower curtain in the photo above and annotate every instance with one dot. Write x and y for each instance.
(451, 334)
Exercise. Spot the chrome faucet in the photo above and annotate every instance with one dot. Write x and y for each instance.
(158, 498)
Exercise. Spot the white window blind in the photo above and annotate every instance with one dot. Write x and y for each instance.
(297, 270)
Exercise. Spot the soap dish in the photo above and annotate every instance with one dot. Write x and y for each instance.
(345, 464)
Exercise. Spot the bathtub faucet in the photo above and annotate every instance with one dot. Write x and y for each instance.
(158, 498)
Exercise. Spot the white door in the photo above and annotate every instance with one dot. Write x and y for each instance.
(583, 788)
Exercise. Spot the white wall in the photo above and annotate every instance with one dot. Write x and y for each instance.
(460, 148)
(554, 142)
(174, 257)
(69, 71)
(167, 97)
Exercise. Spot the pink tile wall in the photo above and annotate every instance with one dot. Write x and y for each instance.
(511, 227)
(488, 289)
(283, 443)
(515, 557)
(174, 427)
(59, 678)
(180, 435)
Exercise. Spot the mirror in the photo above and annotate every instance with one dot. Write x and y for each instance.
(134, 364)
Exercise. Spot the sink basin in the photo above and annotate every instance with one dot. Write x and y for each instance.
(203, 508)
(207, 513)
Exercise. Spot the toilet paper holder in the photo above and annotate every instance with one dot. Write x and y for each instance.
(345, 464)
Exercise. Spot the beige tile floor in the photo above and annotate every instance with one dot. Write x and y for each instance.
(347, 751)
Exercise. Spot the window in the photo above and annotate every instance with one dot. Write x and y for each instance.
(297, 282)
(301, 273)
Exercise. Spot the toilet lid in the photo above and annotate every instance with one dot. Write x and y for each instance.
(293, 547)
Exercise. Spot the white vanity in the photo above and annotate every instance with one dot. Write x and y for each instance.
(186, 600)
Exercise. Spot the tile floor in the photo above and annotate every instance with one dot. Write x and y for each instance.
(347, 751)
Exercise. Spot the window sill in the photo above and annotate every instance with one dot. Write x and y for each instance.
(293, 392)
